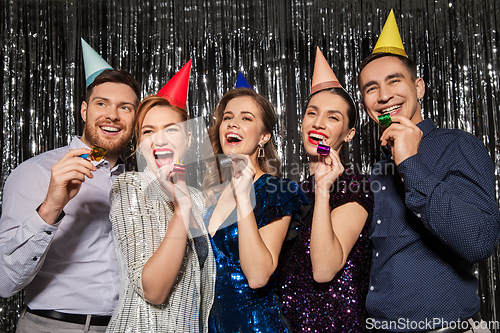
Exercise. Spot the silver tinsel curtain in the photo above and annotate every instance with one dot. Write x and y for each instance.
(454, 43)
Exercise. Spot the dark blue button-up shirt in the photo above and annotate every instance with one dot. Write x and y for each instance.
(435, 215)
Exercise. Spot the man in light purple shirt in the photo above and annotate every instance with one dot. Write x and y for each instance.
(56, 240)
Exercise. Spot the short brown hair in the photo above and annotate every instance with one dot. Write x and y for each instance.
(407, 62)
(115, 76)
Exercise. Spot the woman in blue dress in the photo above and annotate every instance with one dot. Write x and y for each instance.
(247, 232)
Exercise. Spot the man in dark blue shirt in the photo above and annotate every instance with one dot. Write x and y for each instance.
(435, 211)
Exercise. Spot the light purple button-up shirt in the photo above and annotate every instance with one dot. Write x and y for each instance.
(70, 266)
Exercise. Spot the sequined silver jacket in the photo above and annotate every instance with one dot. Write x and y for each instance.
(140, 214)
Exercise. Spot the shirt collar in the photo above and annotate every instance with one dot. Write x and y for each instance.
(386, 152)
(77, 142)
(119, 166)
(426, 126)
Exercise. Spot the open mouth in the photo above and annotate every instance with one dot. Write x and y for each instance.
(110, 129)
(391, 110)
(316, 138)
(233, 138)
(163, 157)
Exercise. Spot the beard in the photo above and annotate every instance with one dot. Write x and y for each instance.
(113, 145)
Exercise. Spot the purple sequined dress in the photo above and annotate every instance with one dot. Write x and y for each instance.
(338, 305)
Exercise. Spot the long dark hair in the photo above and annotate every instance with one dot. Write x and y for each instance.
(352, 111)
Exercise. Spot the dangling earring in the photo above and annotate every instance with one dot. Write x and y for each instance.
(261, 153)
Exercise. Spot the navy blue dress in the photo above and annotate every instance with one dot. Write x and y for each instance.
(237, 307)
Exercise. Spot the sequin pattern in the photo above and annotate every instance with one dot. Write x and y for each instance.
(339, 305)
(140, 214)
(237, 307)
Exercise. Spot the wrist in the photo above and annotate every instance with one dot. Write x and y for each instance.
(321, 192)
(50, 214)
(243, 202)
(183, 215)
(184, 208)
(322, 196)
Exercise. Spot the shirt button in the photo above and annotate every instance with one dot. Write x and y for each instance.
(418, 215)
(379, 221)
(383, 188)
(372, 288)
(376, 254)
(35, 259)
(48, 232)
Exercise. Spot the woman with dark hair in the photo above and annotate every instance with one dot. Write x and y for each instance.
(167, 270)
(247, 233)
(323, 276)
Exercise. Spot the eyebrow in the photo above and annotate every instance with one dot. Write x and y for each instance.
(165, 126)
(171, 124)
(367, 84)
(329, 111)
(392, 76)
(336, 111)
(99, 97)
(245, 112)
(389, 77)
(108, 100)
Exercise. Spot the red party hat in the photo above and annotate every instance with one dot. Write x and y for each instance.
(175, 91)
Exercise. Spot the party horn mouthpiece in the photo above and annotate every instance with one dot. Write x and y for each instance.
(225, 162)
(179, 167)
(323, 149)
(385, 120)
(96, 154)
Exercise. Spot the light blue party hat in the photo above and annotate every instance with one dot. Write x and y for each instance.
(241, 82)
(94, 64)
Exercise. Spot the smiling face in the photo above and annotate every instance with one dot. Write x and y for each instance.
(242, 127)
(163, 139)
(388, 88)
(109, 117)
(326, 121)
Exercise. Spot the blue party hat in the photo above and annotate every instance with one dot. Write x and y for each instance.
(241, 82)
(94, 64)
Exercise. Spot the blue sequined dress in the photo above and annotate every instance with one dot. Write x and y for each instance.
(237, 307)
(338, 305)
